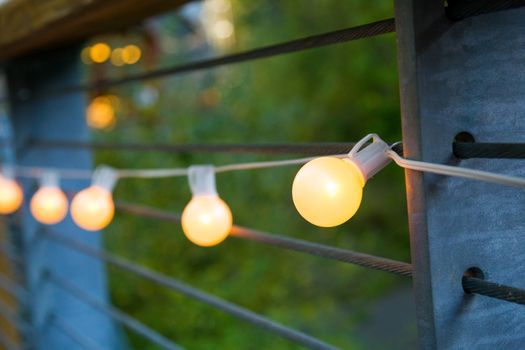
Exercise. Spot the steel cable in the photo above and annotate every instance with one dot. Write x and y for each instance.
(191, 292)
(493, 290)
(279, 148)
(315, 41)
(466, 150)
(114, 313)
(343, 255)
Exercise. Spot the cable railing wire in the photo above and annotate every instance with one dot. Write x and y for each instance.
(79, 338)
(114, 313)
(343, 255)
(311, 42)
(494, 290)
(194, 293)
(466, 150)
(279, 148)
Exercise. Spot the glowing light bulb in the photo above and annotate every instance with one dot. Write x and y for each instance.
(100, 52)
(11, 195)
(206, 220)
(327, 191)
(100, 113)
(49, 205)
(92, 208)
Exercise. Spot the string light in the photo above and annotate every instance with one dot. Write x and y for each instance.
(207, 219)
(131, 54)
(100, 52)
(49, 204)
(327, 191)
(11, 195)
(100, 113)
(92, 208)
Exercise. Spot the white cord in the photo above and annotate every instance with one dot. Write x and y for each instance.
(36, 172)
(456, 171)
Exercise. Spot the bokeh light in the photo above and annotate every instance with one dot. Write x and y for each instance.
(131, 54)
(100, 113)
(100, 52)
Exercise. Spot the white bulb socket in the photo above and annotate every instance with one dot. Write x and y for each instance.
(104, 177)
(202, 180)
(370, 159)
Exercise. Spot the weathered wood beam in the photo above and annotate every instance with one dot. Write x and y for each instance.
(27, 26)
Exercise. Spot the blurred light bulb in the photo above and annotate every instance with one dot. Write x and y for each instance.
(131, 54)
(206, 220)
(223, 29)
(93, 209)
(100, 113)
(49, 205)
(11, 195)
(327, 191)
(100, 52)
(117, 57)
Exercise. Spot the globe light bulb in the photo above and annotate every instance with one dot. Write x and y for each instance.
(92, 208)
(327, 191)
(49, 205)
(11, 195)
(207, 219)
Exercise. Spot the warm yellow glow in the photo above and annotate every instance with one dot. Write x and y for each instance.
(206, 220)
(223, 29)
(131, 54)
(327, 191)
(85, 55)
(49, 205)
(100, 113)
(100, 52)
(11, 195)
(117, 57)
(92, 209)
(219, 5)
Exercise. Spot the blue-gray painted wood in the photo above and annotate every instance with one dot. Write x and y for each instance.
(454, 77)
(57, 118)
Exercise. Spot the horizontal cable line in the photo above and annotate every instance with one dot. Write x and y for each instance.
(466, 150)
(11, 315)
(7, 342)
(73, 334)
(15, 290)
(315, 41)
(343, 255)
(494, 290)
(279, 148)
(114, 313)
(191, 292)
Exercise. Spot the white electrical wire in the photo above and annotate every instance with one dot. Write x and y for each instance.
(37, 172)
(457, 171)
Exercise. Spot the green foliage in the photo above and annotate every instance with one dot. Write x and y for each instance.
(338, 93)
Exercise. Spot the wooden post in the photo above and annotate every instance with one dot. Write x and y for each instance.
(57, 118)
(465, 76)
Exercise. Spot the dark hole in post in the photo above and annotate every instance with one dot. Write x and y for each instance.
(464, 137)
(475, 272)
